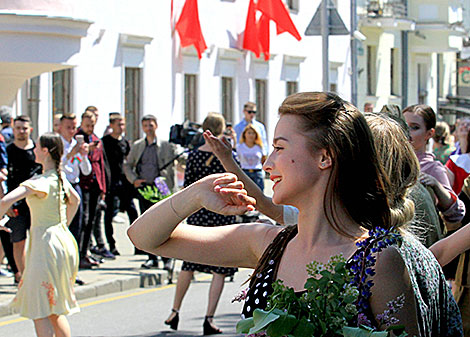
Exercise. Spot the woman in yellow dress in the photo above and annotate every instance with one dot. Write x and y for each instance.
(45, 292)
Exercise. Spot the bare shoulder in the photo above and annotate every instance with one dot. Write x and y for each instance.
(263, 234)
(392, 281)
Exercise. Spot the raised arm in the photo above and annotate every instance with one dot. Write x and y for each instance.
(223, 150)
(445, 250)
(14, 196)
(159, 230)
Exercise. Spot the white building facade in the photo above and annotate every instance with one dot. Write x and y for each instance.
(410, 50)
(127, 59)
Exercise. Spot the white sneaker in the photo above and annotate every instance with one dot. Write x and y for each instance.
(5, 273)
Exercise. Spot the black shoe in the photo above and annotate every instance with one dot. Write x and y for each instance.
(150, 264)
(139, 252)
(173, 323)
(80, 282)
(209, 327)
(115, 252)
(106, 254)
(85, 263)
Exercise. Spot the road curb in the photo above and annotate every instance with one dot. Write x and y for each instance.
(145, 279)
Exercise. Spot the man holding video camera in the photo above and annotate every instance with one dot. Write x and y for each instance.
(145, 162)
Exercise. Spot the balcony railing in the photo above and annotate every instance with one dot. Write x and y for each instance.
(386, 8)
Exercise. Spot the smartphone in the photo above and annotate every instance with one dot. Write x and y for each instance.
(80, 139)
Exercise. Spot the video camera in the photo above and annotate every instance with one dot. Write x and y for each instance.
(188, 135)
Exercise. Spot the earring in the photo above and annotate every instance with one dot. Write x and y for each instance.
(322, 164)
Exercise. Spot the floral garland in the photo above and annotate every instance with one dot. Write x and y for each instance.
(335, 302)
(362, 266)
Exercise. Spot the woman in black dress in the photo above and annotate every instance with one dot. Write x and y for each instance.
(201, 163)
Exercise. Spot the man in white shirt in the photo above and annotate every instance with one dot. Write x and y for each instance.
(74, 161)
(249, 112)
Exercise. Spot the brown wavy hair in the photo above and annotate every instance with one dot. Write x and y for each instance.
(52, 142)
(335, 125)
(357, 177)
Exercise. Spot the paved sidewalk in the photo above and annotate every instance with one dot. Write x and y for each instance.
(112, 276)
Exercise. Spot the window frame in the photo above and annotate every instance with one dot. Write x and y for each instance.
(62, 82)
(261, 92)
(133, 108)
(190, 100)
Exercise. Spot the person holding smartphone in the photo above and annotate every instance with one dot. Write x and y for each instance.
(93, 188)
(74, 161)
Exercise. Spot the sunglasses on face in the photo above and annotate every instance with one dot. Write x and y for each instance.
(251, 111)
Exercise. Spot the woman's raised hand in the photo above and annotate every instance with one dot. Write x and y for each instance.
(428, 180)
(223, 193)
(220, 146)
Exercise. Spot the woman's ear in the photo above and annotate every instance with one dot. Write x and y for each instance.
(325, 160)
(430, 134)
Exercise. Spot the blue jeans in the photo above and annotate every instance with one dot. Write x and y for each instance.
(256, 176)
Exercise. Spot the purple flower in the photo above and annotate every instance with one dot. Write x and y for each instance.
(241, 296)
(362, 320)
(162, 186)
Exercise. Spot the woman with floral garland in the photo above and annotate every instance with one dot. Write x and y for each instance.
(324, 163)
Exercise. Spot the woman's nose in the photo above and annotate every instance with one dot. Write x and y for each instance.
(268, 164)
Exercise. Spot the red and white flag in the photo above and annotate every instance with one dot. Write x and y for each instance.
(250, 37)
(256, 36)
(459, 165)
(189, 27)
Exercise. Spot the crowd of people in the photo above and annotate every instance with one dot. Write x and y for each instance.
(82, 176)
(341, 179)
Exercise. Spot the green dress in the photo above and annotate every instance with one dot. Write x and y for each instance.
(51, 267)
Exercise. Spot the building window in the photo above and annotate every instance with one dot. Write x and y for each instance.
(291, 87)
(227, 98)
(371, 70)
(132, 101)
(440, 75)
(261, 100)
(190, 97)
(293, 5)
(61, 91)
(32, 98)
(394, 72)
(422, 83)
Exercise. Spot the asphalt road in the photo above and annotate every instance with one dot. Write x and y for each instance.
(141, 312)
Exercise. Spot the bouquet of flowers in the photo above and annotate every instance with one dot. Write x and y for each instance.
(157, 192)
(331, 303)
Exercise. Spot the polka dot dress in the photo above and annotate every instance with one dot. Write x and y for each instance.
(201, 164)
(261, 287)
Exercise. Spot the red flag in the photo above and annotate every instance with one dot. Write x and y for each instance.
(277, 12)
(263, 35)
(250, 37)
(189, 27)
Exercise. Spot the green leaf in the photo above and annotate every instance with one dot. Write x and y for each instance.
(244, 325)
(310, 283)
(261, 319)
(363, 331)
(282, 326)
(304, 329)
(398, 330)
